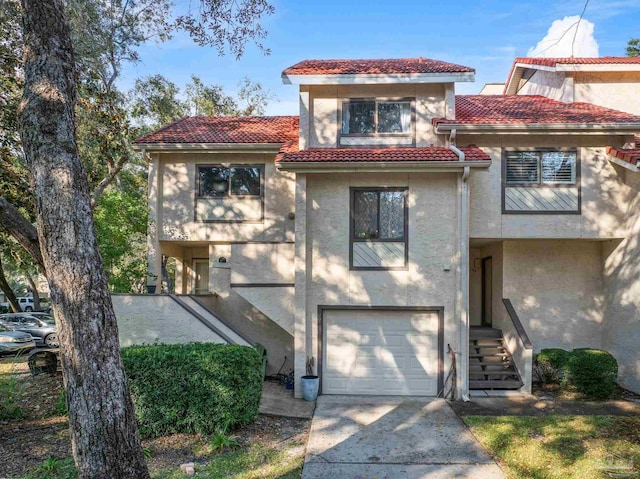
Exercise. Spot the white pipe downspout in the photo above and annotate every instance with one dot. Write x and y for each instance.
(464, 271)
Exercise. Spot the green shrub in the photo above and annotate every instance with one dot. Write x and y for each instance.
(551, 365)
(593, 372)
(193, 388)
(10, 394)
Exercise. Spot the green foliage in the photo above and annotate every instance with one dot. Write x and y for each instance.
(633, 47)
(593, 372)
(551, 365)
(60, 408)
(53, 468)
(121, 218)
(155, 102)
(193, 388)
(221, 440)
(9, 397)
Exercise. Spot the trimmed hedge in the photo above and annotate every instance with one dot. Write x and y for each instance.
(193, 388)
(593, 372)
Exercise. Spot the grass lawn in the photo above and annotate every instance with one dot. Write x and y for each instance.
(562, 447)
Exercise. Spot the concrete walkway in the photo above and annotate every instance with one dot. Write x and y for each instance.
(277, 400)
(388, 438)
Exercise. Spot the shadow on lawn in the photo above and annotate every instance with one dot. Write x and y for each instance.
(560, 446)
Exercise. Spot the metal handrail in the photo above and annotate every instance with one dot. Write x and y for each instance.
(517, 324)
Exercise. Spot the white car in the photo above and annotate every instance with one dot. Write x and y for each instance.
(26, 304)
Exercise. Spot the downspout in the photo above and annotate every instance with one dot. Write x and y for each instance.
(464, 271)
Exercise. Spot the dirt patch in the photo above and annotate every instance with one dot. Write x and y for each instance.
(270, 431)
(26, 443)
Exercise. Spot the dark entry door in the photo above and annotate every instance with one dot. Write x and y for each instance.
(487, 293)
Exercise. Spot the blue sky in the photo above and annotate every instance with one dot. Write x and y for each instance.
(486, 35)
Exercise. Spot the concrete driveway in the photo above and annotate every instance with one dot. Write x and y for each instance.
(389, 438)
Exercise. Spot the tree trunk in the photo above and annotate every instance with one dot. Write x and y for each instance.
(16, 225)
(34, 291)
(8, 292)
(103, 426)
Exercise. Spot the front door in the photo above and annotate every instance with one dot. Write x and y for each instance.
(201, 280)
(487, 293)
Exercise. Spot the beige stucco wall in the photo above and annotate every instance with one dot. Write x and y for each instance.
(176, 217)
(262, 263)
(149, 319)
(621, 335)
(604, 195)
(617, 90)
(324, 122)
(555, 85)
(557, 290)
(432, 275)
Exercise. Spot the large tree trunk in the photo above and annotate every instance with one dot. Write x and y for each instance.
(103, 426)
(8, 292)
(34, 291)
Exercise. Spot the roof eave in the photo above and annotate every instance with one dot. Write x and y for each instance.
(624, 164)
(557, 128)
(377, 166)
(368, 79)
(209, 147)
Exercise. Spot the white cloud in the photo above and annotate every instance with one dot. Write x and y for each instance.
(559, 41)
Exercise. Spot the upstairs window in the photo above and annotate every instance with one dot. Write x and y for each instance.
(379, 228)
(218, 181)
(540, 168)
(370, 117)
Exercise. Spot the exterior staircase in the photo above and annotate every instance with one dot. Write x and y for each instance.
(490, 363)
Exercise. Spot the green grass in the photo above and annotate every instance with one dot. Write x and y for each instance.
(560, 447)
(53, 468)
(258, 462)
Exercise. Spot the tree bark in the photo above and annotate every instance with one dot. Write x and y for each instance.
(34, 291)
(103, 427)
(8, 292)
(13, 223)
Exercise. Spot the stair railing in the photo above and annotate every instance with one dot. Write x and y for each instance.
(520, 346)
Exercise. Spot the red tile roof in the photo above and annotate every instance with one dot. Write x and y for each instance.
(552, 62)
(630, 156)
(530, 109)
(290, 153)
(226, 129)
(369, 67)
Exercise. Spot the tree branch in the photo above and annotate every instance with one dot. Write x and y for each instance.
(21, 229)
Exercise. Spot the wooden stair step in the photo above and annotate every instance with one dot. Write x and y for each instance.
(495, 384)
(493, 373)
(480, 332)
(489, 363)
(484, 355)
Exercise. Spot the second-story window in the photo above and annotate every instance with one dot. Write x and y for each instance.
(370, 117)
(540, 168)
(217, 181)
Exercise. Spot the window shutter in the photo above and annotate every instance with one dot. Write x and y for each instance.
(558, 167)
(522, 167)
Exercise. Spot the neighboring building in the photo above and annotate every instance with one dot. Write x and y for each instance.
(393, 219)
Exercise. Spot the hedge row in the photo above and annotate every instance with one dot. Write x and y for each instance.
(193, 388)
(592, 372)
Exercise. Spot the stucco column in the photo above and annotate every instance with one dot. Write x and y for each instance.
(304, 117)
(302, 344)
(463, 289)
(154, 253)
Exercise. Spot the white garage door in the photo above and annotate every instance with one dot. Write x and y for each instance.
(380, 352)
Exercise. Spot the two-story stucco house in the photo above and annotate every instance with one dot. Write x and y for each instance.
(393, 223)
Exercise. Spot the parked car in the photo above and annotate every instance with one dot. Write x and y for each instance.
(25, 303)
(44, 316)
(43, 333)
(12, 342)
